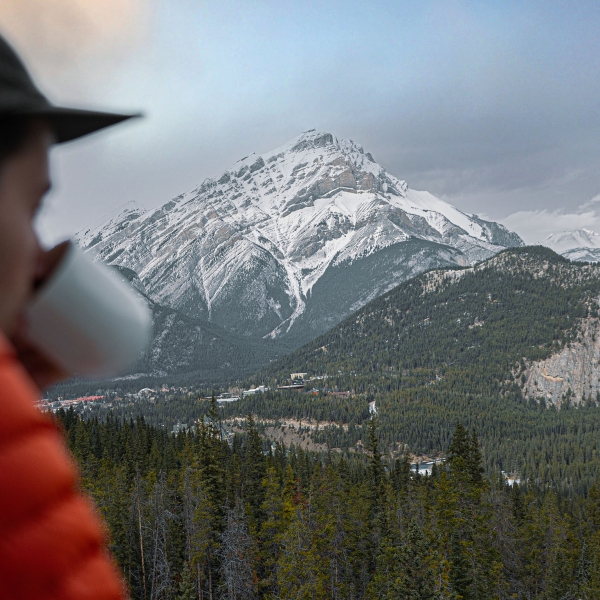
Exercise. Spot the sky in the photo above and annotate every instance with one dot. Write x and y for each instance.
(491, 106)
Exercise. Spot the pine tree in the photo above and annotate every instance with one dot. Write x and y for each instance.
(403, 570)
(254, 469)
(301, 572)
(187, 589)
(418, 572)
(460, 572)
(138, 541)
(376, 469)
(160, 566)
(271, 529)
(211, 455)
(561, 550)
(401, 473)
(474, 461)
(460, 453)
(387, 581)
(591, 587)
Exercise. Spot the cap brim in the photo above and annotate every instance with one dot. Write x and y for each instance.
(72, 123)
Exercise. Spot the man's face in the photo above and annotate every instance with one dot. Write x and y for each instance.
(24, 179)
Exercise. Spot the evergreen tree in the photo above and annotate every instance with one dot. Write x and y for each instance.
(474, 461)
(187, 589)
(254, 469)
(376, 469)
(160, 566)
(301, 572)
(591, 586)
(403, 570)
(460, 571)
(460, 453)
(401, 473)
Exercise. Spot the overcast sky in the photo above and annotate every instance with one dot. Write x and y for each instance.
(492, 106)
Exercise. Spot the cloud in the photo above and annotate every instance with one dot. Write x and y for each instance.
(593, 202)
(535, 225)
(63, 40)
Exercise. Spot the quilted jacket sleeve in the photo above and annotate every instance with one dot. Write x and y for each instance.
(51, 543)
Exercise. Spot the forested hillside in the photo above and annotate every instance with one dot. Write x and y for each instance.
(454, 345)
(191, 516)
(523, 303)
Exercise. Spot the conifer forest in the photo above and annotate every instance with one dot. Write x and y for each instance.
(193, 516)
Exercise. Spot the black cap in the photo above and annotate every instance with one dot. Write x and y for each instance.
(20, 97)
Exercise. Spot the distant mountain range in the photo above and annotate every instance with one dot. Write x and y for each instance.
(581, 244)
(284, 245)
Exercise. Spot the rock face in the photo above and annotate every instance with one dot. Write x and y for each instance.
(182, 345)
(286, 244)
(572, 373)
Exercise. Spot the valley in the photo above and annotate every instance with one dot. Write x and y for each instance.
(351, 330)
(508, 346)
(373, 369)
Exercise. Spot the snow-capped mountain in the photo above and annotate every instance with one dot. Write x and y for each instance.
(287, 243)
(581, 244)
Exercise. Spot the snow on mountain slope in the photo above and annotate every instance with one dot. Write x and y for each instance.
(569, 240)
(246, 250)
(580, 244)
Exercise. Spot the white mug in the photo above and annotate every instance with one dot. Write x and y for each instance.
(86, 319)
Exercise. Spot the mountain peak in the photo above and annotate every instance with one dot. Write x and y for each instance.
(253, 248)
(571, 239)
(579, 244)
(313, 139)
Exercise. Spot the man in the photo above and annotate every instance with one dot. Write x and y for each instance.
(51, 542)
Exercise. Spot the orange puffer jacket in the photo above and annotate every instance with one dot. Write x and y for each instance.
(52, 545)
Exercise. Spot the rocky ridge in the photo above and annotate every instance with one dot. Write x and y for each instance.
(526, 319)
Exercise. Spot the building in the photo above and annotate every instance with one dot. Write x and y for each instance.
(301, 376)
(339, 394)
(295, 386)
(226, 397)
(261, 389)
